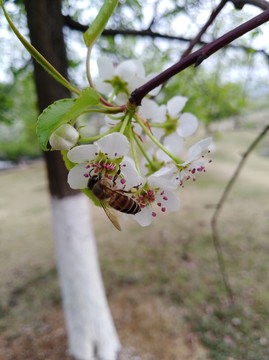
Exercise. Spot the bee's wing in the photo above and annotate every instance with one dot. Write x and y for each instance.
(110, 214)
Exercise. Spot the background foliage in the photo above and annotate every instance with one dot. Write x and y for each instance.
(223, 86)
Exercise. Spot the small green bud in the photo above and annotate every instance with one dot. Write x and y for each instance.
(64, 138)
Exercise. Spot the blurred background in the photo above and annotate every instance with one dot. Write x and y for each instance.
(185, 313)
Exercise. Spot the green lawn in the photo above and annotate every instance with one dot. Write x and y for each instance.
(163, 282)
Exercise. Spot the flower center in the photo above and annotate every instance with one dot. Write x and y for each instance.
(118, 85)
(170, 125)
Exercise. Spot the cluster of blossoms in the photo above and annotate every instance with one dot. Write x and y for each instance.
(140, 152)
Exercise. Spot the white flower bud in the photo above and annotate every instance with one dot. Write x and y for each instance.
(64, 138)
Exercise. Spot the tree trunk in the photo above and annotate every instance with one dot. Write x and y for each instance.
(91, 331)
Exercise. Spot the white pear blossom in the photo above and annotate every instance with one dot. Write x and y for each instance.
(120, 80)
(64, 138)
(105, 158)
(196, 162)
(157, 194)
(169, 124)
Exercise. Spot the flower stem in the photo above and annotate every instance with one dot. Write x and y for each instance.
(126, 121)
(132, 139)
(99, 136)
(156, 142)
(142, 150)
(88, 72)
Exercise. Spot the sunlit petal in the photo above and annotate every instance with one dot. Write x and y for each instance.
(174, 143)
(105, 67)
(130, 173)
(188, 124)
(175, 105)
(82, 153)
(76, 178)
(196, 150)
(168, 200)
(144, 217)
(114, 145)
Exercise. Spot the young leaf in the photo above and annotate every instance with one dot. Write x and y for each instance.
(88, 98)
(99, 23)
(62, 112)
(51, 119)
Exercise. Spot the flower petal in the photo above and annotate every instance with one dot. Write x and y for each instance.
(129, 69)
(82, 153)
(114, 145)
(188, 124)
(76, 178)
(102, 87)
(105, 67)
(135, 82)
(196, 150)
(162, 180)
(175, 105)
(152, 111)
(144, 217)
(174, 143)
(169, 200)
(130, 174)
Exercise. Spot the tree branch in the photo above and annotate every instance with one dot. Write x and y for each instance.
(198, 56)
(210, 20)
(74, 25)
(219, 206)
(239, 4)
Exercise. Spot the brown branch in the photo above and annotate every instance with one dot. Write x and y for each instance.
(239, 4)
(209, 22)
(219, 206)
(74, 25)
(198, 56)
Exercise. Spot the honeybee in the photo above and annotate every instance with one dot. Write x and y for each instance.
(112, 199)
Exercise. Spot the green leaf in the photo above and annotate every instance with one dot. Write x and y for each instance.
(99, 23)
(62, 112)
(87, 99)
(51, 118)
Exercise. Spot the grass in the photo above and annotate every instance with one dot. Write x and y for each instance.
(163, 282)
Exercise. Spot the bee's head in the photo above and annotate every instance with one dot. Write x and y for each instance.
(93, 180)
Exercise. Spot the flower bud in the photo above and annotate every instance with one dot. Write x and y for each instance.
(64, 138)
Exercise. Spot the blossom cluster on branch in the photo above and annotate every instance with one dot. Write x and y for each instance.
(138, 156)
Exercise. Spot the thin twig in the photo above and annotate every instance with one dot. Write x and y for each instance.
(209, 22)
(74, 25)
(214, 220)
(198, 56)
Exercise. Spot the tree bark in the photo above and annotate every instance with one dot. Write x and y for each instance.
(91, 331)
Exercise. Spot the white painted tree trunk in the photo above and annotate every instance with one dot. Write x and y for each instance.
(91, 330)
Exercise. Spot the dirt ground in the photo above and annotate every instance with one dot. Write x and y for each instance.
(153, 280)
(45, 338)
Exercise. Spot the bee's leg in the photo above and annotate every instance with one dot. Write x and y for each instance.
(116, 175)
